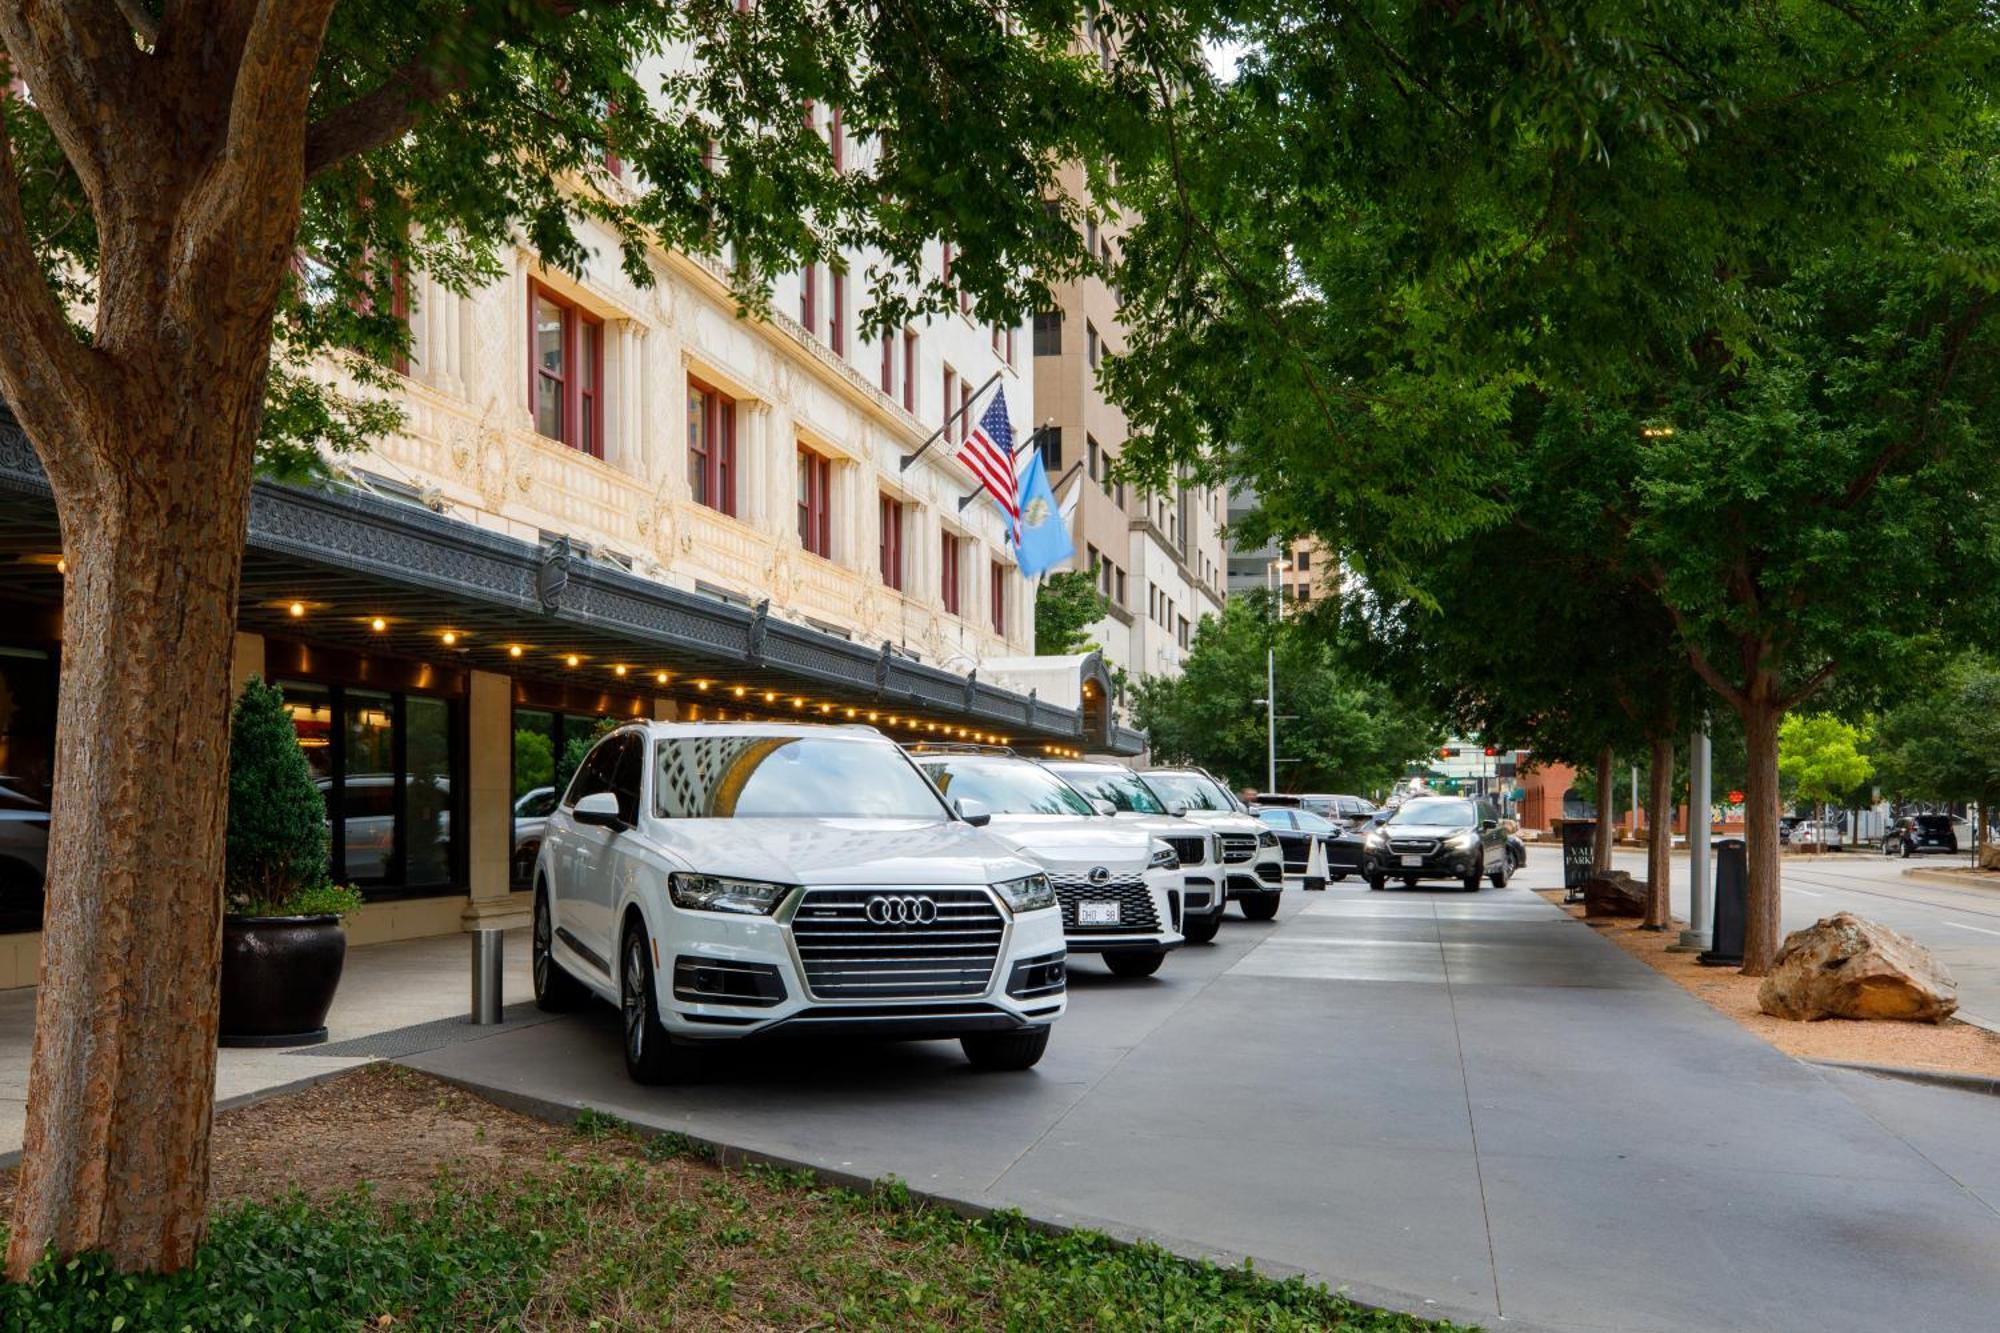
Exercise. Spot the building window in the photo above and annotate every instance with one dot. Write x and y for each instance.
(944, 266)
(1010, 346)
(1093, 347)
(809, 297)
(836, 140)
(892, 542)
(1121, 587)
(909, 372)
(948, 572)
(1090, 236)
(1051, 447)
(889, 365)
(964, 413)
(1303, 560)
(998, 594)
(815, 503)
(566, 374)
(711, 460)
(1048, 333)
(949, 404)
(1093, 457)
(836, 315)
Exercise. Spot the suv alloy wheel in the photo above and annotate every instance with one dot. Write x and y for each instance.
(1502, 872)
(556, 991)
(650, 1056)
(1471, 881)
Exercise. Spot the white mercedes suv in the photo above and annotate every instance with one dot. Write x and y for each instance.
(1253, 864)
(719, 881)
(1119, 886)
(1122, 794)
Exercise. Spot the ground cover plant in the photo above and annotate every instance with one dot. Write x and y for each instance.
(479, 1218)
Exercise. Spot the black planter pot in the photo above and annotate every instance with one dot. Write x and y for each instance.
(278, 978)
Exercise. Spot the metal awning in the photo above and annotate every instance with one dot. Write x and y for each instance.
(350, 557)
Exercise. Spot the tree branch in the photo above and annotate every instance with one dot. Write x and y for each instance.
(1698, 659)
(79, 61)
(378, 117)
(1812, 686)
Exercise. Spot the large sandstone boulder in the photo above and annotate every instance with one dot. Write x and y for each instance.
(1614, 893)
(1845, 967)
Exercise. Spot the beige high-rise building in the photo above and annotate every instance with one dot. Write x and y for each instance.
(1158, 557)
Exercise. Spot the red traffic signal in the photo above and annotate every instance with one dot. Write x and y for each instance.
(1736, 798)
(1491, 751)
(1448, 752)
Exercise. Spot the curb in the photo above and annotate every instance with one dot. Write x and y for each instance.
(1953, 878)
(1936, 1078)
(728, 1155)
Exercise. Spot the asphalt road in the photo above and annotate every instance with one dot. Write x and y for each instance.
(1960, 925)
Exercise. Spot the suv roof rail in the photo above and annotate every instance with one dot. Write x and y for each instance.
(960, 747)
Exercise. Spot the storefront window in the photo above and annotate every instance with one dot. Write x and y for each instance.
(384, 763)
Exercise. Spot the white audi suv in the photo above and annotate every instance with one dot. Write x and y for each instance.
(1122, 794)
(1119, 886)
(722, 881)
(1253, 864)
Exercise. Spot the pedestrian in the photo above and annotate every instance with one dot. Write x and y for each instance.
(1248, 795)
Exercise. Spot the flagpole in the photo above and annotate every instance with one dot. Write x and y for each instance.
(938, 434)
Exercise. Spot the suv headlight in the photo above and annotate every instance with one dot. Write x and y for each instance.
(1462, 841)
(1028, 893)
(1163, 858)
(1376, 840)
(1267, 839)
(719, 893)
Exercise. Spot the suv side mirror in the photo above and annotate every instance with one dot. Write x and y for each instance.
(1103, 806)
(1488, 825)
(972, 812)
(599, 810)
(1178, 809)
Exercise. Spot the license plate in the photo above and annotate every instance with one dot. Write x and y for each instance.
(1413, 860)
(1097, 914)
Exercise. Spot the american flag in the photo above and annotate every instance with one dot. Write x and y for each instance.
(988, 454)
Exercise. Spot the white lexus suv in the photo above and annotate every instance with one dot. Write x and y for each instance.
(719, 881)
(1119, 886)
(1124, 795)
(1253, 864)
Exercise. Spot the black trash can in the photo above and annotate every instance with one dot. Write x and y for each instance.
(1579, 856)
(1732, 904)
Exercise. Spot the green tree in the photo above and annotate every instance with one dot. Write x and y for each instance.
(1943, 744)
(205, 206)
(1066, 606)
(1821, 757)
(1345, 732)
(277, 834)
(534, 761)
(578, 747)
(1624, 267)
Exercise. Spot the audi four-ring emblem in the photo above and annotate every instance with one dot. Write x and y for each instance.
(902, 910)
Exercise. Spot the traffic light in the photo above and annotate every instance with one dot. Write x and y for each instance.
(1448, 752)
(1492, 750)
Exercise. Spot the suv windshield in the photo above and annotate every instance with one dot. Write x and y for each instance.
(1119, 786)
(752, 776)
(1194, 790)
(1005, 786)
(1453, 814)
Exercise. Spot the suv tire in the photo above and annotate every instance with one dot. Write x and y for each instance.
(1472, 877)
(1005, 1051)
(1377, 883)
(1502, 872)
(650, 1057)
(1135, 963)
(1201, 929)
(556, 991)
(1259, 906)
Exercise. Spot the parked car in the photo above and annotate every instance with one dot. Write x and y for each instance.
(1916, 835)
(1517, 850)
(1253, 867)
(24, 857)
(1198, 847)
(1439, 837)
(531, 816)
(1298, 830)
(1119, 886)
(1349, 810)
(720, 881)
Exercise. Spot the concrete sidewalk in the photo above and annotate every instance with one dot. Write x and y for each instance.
(418, 990)
(1451, 1104)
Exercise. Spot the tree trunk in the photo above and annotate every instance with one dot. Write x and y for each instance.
(122, 1084)
(1763, 926)
(1660, 837)
(1607, 799)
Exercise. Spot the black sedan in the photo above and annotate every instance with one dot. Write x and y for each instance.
(1297, 830)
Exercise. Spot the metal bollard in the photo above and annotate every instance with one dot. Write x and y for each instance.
(488, 950)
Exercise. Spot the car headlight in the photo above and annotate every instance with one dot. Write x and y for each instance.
(1462, 841)
(1027, 893)
(1377, 840)
(1163, 858)
(1267, 839)
(719, 893)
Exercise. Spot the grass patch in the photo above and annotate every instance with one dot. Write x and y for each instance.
(611, 1230)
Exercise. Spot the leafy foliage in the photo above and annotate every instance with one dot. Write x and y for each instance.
(277, 839)
(577, 748)
(1066, 606)
(1347, 732)
(534, 761)
(1943, 743)
(1821, 756)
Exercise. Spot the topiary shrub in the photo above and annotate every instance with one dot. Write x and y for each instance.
(277, 843)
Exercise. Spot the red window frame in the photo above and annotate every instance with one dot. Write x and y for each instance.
(909, 372)
(836, 140)
(947, 406)
(580, 386)
(809, 296)
(815, 502)
(998, 598)
(892, 542)
(836, 315)
(712, 456)
(964, 413)
(948, 571)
